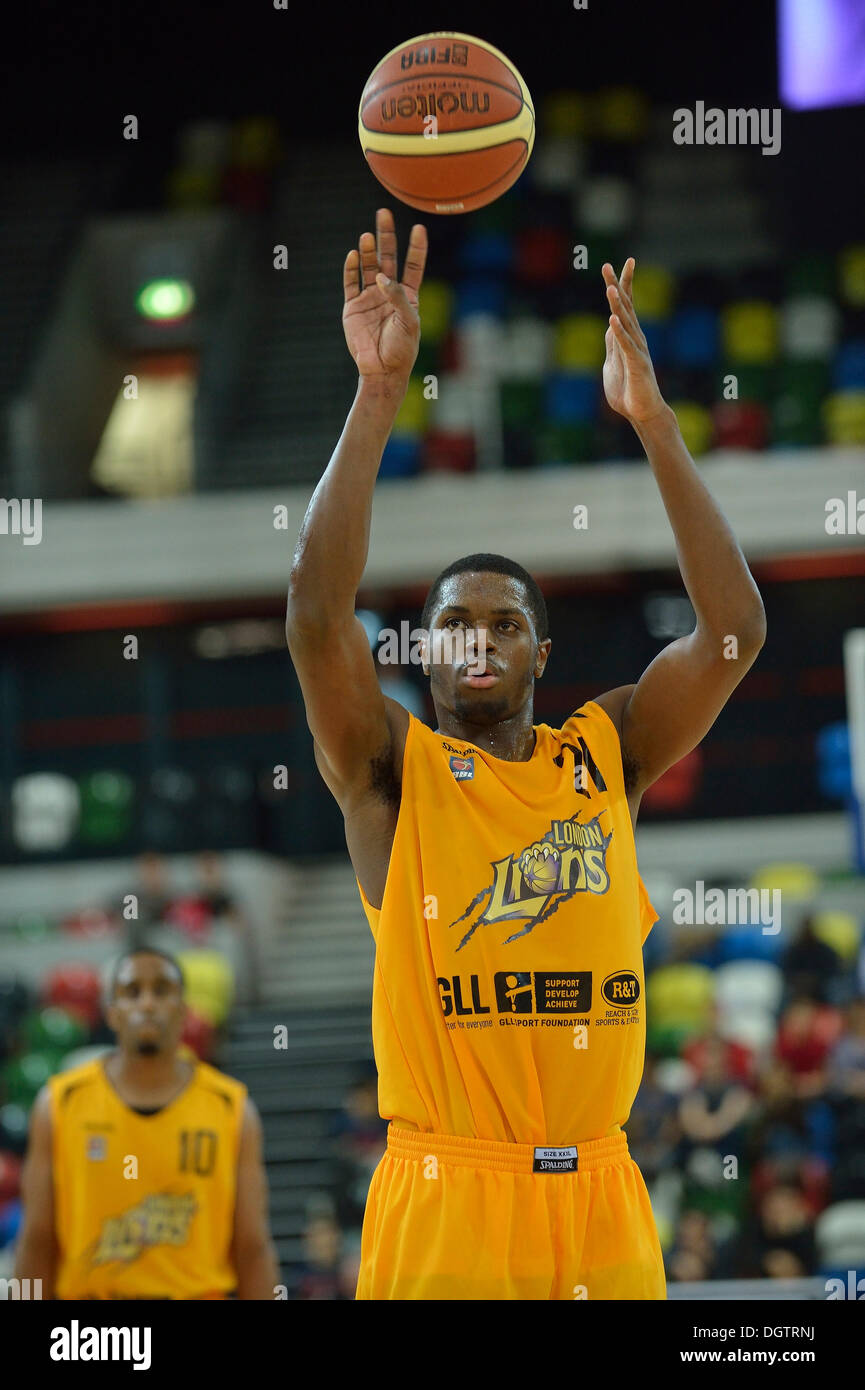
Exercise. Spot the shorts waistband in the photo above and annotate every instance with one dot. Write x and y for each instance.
(501, 1157)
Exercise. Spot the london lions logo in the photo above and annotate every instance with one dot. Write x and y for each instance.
(164, 1218)
(532, 884)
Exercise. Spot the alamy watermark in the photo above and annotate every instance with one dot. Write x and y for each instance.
(442, 645)
(21, 516)
(740, 907)
(740, 126)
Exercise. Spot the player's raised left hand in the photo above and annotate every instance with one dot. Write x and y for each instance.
(629, 377)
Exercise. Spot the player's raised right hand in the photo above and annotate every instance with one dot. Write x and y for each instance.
(381, 321)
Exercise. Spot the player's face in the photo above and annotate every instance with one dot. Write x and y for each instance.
(485, 673)
(147, 1010)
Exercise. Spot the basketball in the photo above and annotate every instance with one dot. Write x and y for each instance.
(446, 123)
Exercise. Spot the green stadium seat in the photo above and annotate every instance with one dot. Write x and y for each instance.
(53, 1029)
(23, 1077)
(812, 273)
(107, 807)
(521, 403)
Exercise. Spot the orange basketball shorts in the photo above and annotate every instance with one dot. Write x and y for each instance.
(454, 1218)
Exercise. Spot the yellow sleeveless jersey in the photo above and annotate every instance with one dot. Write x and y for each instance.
(144, 1204)
(508, 995)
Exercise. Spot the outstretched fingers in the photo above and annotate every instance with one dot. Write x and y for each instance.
(369, 266)
(385, 235)
(351, 276)
(415, 258)
(624, 338)
(619, 297)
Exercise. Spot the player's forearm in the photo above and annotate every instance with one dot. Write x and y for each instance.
(726, 600)
(333, 546)
(36, 1258)
(257, 1273)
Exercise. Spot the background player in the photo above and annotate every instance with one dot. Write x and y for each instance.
(144, 1176)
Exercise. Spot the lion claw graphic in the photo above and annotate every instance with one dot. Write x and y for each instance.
(541, 849)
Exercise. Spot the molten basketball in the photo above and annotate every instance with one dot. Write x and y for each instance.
(446, 123)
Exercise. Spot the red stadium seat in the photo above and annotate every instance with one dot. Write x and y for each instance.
(77, 988)
(10, 1175)
(453, 453)
(198, 1035)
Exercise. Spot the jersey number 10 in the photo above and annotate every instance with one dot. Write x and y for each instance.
(197, 1151)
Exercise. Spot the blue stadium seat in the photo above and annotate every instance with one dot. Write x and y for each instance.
(401, 457)
(694, 337)
(572, 397)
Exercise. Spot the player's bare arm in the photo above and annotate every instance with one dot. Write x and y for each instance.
(359, 733)
(252, 1250)
(681, 693)
(36, 1256)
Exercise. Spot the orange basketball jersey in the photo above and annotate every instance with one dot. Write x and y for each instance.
(144, 1204)
(508, 997)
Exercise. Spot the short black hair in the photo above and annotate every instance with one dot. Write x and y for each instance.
(141, 951)
(491, 564)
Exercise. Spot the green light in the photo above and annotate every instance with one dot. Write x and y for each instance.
(165, 299)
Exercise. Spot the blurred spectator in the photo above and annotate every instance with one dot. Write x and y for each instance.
(847, 1058)
(693, 1256)
(358, 1124)
(713, 1112)
(788, 1124)
(738, 1060)
(319, 1276)
(154, 897)
(349, 1267)
(780, 1244)
(361, 1136)
(224, 907)
(810, 964)
(806, 1034)
(653, 1125)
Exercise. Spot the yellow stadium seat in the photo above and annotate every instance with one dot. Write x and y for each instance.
(695, 422)
(411, 418)
(851, 265)
(435, 305)
(209, 984)
(188, 188)
(841, 931)
(844, 417)
(796, 882)
(750, 331)
(680, 995)
(579, 342)
(653, 291)
(564, 113)
(621, 113)
(255, 142)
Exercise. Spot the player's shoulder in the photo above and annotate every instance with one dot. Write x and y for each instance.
(210, 1078)
(64, 1084)
(600, 717)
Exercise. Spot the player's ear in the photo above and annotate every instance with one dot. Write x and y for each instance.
(542, 656)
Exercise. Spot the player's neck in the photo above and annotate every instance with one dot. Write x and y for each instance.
(512, 740)
(135, 1073)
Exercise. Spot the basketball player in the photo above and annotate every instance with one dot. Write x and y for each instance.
(495, 857)
(144, 1176)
